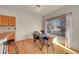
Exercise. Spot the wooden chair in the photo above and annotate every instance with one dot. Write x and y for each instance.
(36, 37)
(11, 43)
(48, 43)
(42, 42)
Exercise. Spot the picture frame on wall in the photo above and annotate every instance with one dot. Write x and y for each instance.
(56, 26)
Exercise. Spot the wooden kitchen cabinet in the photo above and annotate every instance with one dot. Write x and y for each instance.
(12, 21)
(3, 21)
(8, 21)
(0, 21)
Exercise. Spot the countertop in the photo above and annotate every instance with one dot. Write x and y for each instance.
(4, 36)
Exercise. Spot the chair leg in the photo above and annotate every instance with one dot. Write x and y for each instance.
(47, 48)
(42, 45)
(3, 49)
(52, 47)
(9, 45)
(16, 48)
(34, 42)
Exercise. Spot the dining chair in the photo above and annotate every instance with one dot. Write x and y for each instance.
(48, 44)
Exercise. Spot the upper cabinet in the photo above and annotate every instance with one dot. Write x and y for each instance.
(12, 21)
(7, 21)
(3, 21)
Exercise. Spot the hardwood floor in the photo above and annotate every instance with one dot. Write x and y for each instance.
(27, 47)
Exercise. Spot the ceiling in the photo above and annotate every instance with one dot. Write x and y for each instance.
(44, 9)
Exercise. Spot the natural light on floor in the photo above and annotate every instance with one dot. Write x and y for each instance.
(67, 49)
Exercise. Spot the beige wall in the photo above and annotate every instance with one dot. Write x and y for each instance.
(25, 23)
(75, 22)
(75, 15)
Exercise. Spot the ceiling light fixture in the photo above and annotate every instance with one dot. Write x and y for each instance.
(37, 8)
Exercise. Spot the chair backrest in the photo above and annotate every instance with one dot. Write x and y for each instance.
(50, 40)
(36, 34)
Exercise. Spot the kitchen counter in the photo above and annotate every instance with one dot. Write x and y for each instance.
(4, 36)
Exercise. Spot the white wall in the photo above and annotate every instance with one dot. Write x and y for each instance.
(25, 23)
(75, 15)
(75, 22)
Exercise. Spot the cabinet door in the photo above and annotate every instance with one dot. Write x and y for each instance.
(0, 20)
(7, 21)
(7, 18)
(3, 21)
(12, 21)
